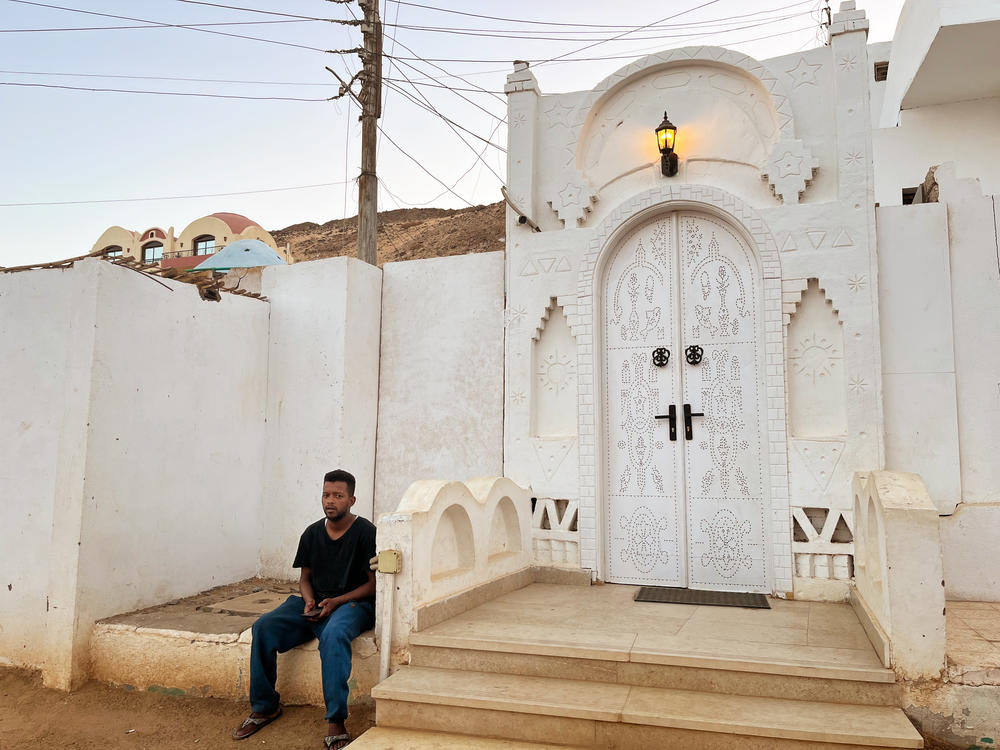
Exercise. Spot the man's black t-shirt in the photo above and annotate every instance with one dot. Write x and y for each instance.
(336, 566)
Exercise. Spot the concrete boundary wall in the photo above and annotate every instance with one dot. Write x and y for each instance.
(322, 395)
(441, 375)
(142, 480)
(36, 314)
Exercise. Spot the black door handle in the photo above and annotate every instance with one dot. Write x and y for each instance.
(693, 354)
(688, 434)
(672, 416)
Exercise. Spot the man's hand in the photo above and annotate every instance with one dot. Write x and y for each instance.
(326, 607)
(310, 606)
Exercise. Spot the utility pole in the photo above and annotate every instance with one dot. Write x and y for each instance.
(371, 110)
(370, 101)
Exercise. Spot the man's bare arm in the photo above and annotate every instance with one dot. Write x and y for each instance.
(306, 590)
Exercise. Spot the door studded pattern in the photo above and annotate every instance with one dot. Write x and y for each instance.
(690, 512)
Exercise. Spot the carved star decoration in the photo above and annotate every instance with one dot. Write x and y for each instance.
(570, 195)
(789, 165)
(559, 113)
(804, 72)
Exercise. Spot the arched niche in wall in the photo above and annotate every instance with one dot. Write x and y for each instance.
(454, 545)
(817, 384)
(505, 529)
(723, 115)
(553, 376)
(730, 111)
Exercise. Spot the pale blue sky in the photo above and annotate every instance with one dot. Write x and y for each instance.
(64, 145)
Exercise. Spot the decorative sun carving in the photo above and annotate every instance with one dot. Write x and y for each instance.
(556, 372)
(814, 357)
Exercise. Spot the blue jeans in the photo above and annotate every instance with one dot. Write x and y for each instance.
(285, 628)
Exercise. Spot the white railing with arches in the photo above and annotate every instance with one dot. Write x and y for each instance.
(455, 538)
(899, 584)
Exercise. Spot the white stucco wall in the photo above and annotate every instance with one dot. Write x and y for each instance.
(323, 354)
(918, 351)
(974, 234)
(175, 446)
(441, 383)
(35, 322)
(939, 290)
(136, 435)
(964, 132)
(969, 540)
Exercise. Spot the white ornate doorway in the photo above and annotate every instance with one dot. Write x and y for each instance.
(684, 422)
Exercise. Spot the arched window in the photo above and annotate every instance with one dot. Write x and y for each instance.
(204, 245)
(152, 252)
(113, 251)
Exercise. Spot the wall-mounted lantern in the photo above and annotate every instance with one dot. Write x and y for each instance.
(666, 132)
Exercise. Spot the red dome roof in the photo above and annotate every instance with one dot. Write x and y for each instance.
(236, 222)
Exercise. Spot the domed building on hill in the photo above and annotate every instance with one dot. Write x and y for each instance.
(200, 239)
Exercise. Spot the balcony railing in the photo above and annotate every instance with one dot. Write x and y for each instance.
(186, 254)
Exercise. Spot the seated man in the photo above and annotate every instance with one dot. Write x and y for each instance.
(337, 604)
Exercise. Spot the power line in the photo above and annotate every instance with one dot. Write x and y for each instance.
(426, 105)
(450, 75)
(163, 93)
(172, 25)
(626, 33)
(162, 78)
(419, 82)
(520, 34)
(257, 10)
(193, 26)
(392, 64)
(478, 89)
(416, 161)
(581, 25)
(461, 177)
(171, 197)
(631, 56)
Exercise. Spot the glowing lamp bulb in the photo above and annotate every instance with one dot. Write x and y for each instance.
(666, 133)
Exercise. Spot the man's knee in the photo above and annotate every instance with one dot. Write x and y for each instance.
(264, 626)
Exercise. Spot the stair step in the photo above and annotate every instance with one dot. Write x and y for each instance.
(790, 676)
(780, 659)
(598, 714)
(386, 738)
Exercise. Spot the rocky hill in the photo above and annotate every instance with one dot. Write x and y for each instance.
(404, 234)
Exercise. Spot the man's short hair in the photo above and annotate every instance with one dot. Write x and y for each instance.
(339, 475)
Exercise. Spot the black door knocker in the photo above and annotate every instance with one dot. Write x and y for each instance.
(661, 356)
(693, 354)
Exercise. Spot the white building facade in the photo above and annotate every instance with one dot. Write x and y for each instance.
(697, 365)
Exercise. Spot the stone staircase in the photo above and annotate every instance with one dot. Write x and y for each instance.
(479, 679)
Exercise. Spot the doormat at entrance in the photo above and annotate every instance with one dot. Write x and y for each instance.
(691, 596)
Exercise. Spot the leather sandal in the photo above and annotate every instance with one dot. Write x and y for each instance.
(330, 740)
(253, 724)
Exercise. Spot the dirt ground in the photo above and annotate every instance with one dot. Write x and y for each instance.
(101, 717)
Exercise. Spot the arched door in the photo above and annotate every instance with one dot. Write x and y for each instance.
(685, 491)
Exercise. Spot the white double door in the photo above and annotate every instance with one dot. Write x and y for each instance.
(689, 510)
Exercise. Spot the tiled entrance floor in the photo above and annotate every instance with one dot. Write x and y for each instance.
(603, 622)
